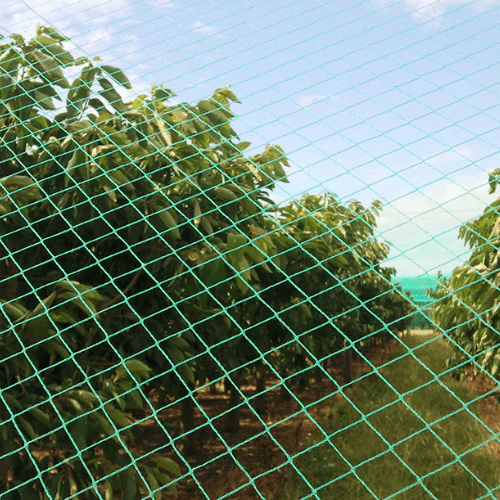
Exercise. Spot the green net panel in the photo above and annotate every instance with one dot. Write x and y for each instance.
(249, 250)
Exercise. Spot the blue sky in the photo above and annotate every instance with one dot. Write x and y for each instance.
(373, 99)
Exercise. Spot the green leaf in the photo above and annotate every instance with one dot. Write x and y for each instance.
(52, 33)
(242, 286)
(213, 272)
(236, 241)
(84, 296)
(108, 490)
(43, 101)
(13, 309)
(78, 93)
(111, 95)
(26, 493)
(79, 126)
(17, 38)
(165, 479)
(130, 488)
(88, 290)
(243, 145)
(165, 132)
(121, 179)
(196, 212)
(11, 401)
(27, 427)
(212, 112)
(15, 182)
(97, 104)
(168, 221)
(168, 464)
(88, 398)
(117, 416)
(51, 70)
(153, 483)
(206, 225)
(135, 367)
(41, 308)
(180, 343)
(224, 91)
(3, 431)
(53, 47)
(110, 192)
(4, 208)
(53, 347)
(224, 194)
(105, 426)
(161, 94)
(78, 159)
(73, 488)
(186, 373)
(257, 256)
(118, 75)
(41, 417)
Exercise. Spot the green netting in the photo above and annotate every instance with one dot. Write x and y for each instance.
(249, 250)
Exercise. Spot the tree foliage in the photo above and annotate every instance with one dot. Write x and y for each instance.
(466, 305)
(140, 251)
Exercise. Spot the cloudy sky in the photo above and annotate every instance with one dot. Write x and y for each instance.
(371, 99)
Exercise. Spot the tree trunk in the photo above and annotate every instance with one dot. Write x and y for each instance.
(285, 390)
(260, 383)
(347, 363)
(233, 417)
(187, 421)
(321, 370)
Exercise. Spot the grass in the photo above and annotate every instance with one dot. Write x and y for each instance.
(418, 439)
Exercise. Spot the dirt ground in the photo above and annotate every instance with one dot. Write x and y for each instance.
(489, 403)
(226, 462)
(487, 390)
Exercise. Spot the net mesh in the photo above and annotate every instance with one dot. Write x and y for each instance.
(279, 279)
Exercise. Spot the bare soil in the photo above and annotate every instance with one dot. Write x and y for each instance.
(228, 462)
(489, 389)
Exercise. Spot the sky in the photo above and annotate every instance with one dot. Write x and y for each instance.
(394, 100)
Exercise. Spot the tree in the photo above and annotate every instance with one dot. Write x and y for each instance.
(141, 252)
(466, 306)
(116, 220)
(337, 293)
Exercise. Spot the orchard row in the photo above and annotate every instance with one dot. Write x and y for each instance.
(141, 251)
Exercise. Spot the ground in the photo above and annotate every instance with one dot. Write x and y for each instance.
(254, 452)
(225, 462)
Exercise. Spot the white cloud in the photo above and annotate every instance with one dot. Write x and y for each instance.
(207, 30)
(423, 226)
(425, 11)
(162, 4)
(95, 27)
(62, 14)
(204, 29)
(454, 154)
(307, 100)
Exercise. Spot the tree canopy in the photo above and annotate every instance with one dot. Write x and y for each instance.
(466, 305)
(141, 251)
